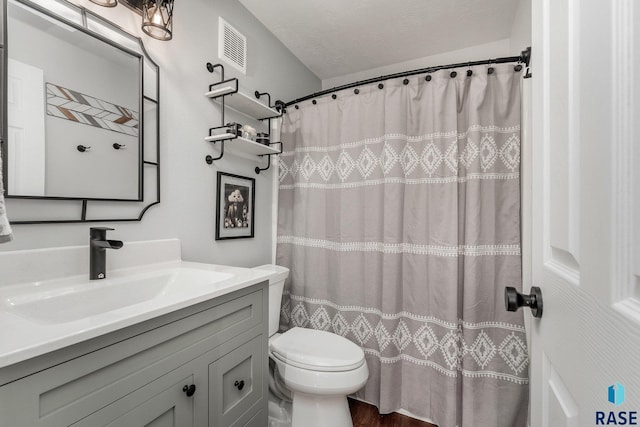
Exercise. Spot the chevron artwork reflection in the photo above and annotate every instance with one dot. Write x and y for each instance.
(72, 105)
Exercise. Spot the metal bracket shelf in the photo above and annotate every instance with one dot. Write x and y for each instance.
(240, 102)
(226, 92)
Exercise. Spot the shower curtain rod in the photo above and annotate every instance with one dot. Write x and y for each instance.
(525, 57)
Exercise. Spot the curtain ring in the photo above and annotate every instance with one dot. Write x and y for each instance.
(356, 91)
(490, 70)
(517, 68)
(453, 74)
(334, 96)
(428, 77)
(314, 102)
(380, 86)
(469, 71)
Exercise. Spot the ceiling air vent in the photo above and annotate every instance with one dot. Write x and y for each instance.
(232, 46)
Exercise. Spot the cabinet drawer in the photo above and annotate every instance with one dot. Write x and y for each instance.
(71, 391)
(236, 383)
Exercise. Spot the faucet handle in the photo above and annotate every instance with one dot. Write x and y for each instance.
(99, 233)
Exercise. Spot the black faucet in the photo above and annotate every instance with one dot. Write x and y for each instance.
(98, 243)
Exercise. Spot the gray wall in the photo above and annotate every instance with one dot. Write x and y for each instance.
(187, 210)
(521, 29)
(473, 53)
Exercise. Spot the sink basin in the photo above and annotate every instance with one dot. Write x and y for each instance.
(70, 299)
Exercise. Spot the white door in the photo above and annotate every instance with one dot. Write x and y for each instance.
(25, 136)
(585, 351)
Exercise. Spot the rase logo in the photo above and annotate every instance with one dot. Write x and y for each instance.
(616, 396)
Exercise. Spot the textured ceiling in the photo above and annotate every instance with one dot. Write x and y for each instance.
(338, 37)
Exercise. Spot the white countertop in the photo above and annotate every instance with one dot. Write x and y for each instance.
(24, 337)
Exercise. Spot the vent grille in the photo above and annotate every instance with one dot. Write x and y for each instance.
(232, 46)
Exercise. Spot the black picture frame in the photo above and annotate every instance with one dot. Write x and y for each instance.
(235, 206)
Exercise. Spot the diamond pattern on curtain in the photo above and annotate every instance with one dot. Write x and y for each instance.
(399, 219)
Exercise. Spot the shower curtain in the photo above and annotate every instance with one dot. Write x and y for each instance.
(399, 217)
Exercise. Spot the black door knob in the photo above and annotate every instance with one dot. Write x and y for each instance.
(239, 384)
(189, 389)
(513, 300)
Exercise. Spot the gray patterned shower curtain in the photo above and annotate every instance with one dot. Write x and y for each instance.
(399, 217)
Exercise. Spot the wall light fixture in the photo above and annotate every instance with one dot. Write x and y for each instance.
(157, 18)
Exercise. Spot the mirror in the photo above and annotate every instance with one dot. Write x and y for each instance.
(81, 113)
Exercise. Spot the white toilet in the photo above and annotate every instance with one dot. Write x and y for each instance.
(318, 368)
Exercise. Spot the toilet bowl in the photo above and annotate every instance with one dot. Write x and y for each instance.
(318, 368)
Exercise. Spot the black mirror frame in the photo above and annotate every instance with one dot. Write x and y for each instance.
(120, 210)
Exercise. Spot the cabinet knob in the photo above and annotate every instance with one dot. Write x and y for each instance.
(189, 389)
(239, 384)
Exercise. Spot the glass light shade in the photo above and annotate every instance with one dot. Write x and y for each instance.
(157, 18)
(106, 3)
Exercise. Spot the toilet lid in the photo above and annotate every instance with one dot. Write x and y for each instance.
(317, 350)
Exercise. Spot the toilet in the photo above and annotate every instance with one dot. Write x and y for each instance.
(314, 369)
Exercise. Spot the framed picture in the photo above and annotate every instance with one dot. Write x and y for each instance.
(235, 206)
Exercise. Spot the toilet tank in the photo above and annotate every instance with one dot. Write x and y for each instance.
(276, 286)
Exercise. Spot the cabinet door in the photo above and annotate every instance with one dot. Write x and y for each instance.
(236, 385)
(162, 403)
(258, 420)
(171, 408)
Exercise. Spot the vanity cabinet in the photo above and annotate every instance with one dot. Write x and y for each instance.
(204, 365)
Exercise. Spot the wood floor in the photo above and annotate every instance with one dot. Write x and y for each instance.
(365, 415)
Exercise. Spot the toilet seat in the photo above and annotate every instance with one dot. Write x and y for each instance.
(316, 350)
